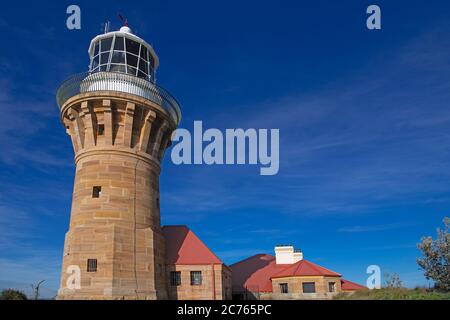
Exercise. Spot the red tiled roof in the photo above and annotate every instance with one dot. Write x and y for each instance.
(351, 286)
(305, 268)
(255, 273)
(184, 247)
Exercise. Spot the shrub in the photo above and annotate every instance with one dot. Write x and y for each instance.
(11, 294)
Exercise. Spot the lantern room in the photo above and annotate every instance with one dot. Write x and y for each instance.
(123, 52)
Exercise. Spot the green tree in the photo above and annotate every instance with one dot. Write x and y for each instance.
(11, 294)
(436, 257)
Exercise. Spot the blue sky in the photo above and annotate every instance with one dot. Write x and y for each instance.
(363, 118)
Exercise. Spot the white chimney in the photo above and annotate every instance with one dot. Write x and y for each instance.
(287, 255)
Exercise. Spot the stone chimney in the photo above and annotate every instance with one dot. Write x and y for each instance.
(285, 254)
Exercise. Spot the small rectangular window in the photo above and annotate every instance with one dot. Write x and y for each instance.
(284, 288)
(101, 129)
(96, 192)
(92, 265)
(331, 287)
(309, 287)
(196, 278)
(175, 278)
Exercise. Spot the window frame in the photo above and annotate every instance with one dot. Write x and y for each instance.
(332, 285)
(284, 288)
(308, 283)
(91, 265)
(175, 278)
(96, 192)
(196, 281)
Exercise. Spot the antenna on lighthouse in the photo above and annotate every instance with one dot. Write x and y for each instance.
(106, 27)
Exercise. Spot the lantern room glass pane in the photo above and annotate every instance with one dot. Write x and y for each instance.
(105, 44)
(118, 57)
(131, 70)
(104, 58)
(144, 53)
(143, 66)
(142, 75)
(132, 60)
(132, 46)
(118, 44)
(96, 49)
(117, 68)
(95, 62)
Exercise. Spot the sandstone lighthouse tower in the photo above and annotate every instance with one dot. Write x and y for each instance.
(120, 123)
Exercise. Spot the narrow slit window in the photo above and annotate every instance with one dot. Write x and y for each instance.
(175, 278)
(92, 265)
(96, 192)
(101, 129)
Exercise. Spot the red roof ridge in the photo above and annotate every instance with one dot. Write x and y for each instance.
(351, 285)
(298, 266)
(185, 247)
(251, 257)
(317, 267)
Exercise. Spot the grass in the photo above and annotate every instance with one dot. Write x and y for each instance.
(395, 294)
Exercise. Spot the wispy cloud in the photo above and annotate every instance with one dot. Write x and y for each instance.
(371, 228)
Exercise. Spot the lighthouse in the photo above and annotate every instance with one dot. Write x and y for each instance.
(120, 123)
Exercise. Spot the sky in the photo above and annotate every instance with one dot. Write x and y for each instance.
(363, 118)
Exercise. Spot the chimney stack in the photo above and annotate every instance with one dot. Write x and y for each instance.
(285, 254)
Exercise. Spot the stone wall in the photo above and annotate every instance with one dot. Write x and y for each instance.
(216, 283)
(118, 141)
(295, 288)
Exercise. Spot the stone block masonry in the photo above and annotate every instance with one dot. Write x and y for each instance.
(119, 141)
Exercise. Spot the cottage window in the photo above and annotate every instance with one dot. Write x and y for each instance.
(284, 288)
(309, 287)
(331, 286)
(196, 278)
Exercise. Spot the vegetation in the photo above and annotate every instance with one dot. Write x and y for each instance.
(395, 294)
(436, 257)
(36, 289)
(11, 294)
(393, 280)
